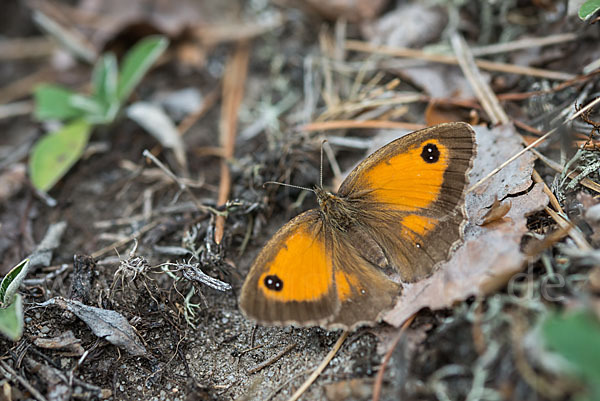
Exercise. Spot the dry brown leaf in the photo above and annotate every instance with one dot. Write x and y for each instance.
(66, 340)
(107, 324)
(351, 10)
(497, 211)
(12, 180)
(349, 389)
(413, 24)
(489, 255)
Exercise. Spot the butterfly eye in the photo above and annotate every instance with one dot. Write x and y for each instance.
(273, 283)
(430, 153)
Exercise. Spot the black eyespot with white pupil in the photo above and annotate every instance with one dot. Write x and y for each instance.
(273, 283)
(430, 153)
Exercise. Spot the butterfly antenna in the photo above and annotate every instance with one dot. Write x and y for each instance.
(321, 168)
(288, 185)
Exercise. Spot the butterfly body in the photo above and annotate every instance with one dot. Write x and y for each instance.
(401, 210)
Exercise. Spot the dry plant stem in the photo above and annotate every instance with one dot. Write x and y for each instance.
(320, 368)
(234, 79)
(26, 48)
(379, 380)
(484, 93)
(207, 104)
(574, 233)
(533, 144)
(353, 124)
(120, 243)
(24, 86)
(365, 47)
(179, 181)
(526, 43)
(10, 374)
(510, 160)
(553, 201)
(272, 360)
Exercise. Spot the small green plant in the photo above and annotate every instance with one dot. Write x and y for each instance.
(11, 304)
(55, 153)
(588, 9)
(576, 337)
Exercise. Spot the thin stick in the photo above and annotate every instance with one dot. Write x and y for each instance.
(118, 244)
(207, 104)
(573, 231)
(510, 160)
(233, 93)
(521, 44)
(12, 375)
(534, 144)
(357, 45)
(484, 93)
(353, 124)
(272, 360)
(320, 368)
(182, 185)
(553, 201)
(388, 356)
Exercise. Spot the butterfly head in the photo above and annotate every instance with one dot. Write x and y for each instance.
(336, 211)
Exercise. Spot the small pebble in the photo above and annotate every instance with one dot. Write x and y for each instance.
(45, 330)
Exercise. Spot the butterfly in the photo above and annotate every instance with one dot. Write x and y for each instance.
(401, 210)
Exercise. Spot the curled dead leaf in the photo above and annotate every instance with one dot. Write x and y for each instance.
(497, 211)
(107, 324)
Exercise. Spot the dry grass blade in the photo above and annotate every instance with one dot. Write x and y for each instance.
(388, 356)
(364, 47)
(353, 124)
(272, 360)
(484, 93)
(320, 368)
(233, 93)
(521, 44)
(534, 144)
(26, 48)
(574, 233)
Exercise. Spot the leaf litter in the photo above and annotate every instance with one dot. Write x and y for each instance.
(474, 349)
(107, 324)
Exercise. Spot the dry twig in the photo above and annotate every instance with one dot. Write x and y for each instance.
(320, 368)
(233, 93)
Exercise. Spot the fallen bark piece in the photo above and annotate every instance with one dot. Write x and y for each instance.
(104, 323)
(66, 340)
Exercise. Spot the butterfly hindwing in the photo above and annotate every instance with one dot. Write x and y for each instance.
(292, 279)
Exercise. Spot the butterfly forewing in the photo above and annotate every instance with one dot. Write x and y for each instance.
(411, 196)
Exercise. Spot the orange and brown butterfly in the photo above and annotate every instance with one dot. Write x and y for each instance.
(401, 209)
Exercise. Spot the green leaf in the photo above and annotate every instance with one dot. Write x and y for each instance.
(105, 78)
(588, 9)
(137, 62)
(12, 281)
(11, 319)
(55, 103)
(55, 153)
(576, 337)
